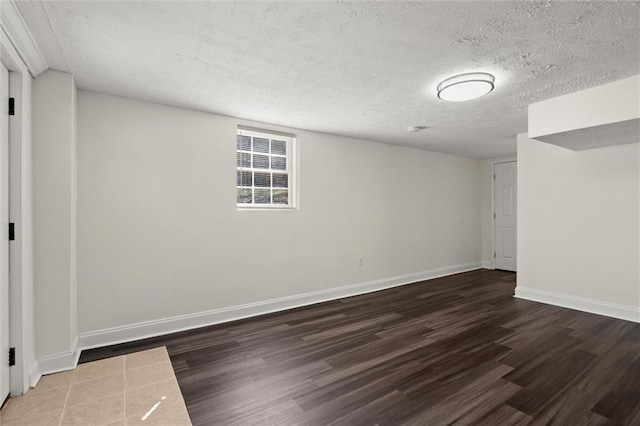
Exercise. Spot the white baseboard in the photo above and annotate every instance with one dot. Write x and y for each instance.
(160, 327)
(628, 313)
(60, 362)
(34, 374)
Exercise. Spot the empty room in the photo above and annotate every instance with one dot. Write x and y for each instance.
(319, 212)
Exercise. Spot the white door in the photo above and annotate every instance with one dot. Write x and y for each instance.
(4, 235)
(505, 187)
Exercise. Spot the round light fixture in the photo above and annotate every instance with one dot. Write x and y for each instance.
(464, 87)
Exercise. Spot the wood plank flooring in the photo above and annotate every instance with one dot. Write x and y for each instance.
(454, 350)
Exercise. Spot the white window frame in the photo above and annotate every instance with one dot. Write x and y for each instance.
(291, 168)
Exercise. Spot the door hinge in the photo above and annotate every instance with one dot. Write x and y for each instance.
(494, 176)
(12, 106)
(494, 215)
(12, 357)
(494, 254)
(12, 232)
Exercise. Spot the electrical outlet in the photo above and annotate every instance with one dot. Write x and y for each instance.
(360, 261)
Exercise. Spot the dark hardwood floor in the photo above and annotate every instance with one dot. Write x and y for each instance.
(458, 349)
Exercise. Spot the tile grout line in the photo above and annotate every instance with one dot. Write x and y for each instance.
(66, 400)
(154, 362)
(124, 387)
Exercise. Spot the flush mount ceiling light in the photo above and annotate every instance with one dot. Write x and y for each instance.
(464, 87)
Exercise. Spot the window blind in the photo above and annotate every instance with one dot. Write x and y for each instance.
(264, 169)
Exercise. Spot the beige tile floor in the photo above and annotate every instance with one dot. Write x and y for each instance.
(135, 389)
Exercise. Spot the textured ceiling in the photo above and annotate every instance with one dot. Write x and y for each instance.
(361, 69)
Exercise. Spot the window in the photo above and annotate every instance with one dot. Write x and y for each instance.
(265, 169)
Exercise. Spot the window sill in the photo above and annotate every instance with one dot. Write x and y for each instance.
(266, 209)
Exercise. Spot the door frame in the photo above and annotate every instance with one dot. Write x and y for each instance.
(494, 161)
(5, 368)
(25, 372)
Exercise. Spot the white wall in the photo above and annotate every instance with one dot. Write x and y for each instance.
(159, 235)
(54, 181)
(578, 227)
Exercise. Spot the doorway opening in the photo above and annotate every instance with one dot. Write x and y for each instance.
(505, 200)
